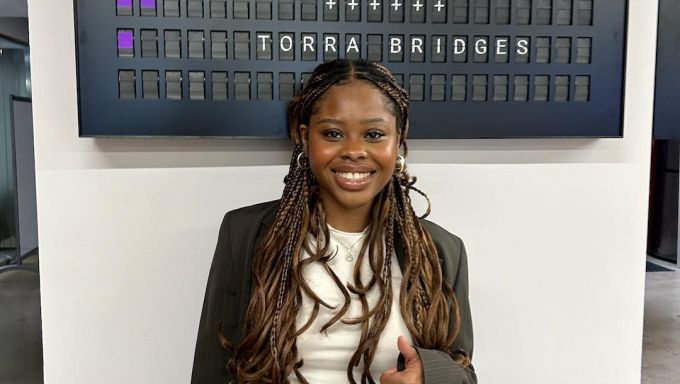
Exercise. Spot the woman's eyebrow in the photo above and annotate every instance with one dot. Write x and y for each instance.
(331, 121)
(374, 120)
(364, 121)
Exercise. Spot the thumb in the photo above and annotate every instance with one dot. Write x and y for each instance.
(406, 349)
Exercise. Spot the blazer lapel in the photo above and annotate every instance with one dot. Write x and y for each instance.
(399, 249)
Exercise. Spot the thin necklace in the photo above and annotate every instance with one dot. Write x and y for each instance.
(349, 257)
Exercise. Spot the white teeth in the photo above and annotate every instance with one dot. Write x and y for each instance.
(353, 175)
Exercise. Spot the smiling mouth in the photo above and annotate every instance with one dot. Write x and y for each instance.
(354, 176)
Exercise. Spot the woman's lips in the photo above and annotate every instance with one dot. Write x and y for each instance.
(353, 181)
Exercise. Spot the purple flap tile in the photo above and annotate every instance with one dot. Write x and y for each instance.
(125, 39)
(148, 4)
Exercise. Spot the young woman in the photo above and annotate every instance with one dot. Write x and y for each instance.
(338, 281)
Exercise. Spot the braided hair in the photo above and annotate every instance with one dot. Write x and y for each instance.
(268, 351)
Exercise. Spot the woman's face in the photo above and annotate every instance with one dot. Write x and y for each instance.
(352, 144)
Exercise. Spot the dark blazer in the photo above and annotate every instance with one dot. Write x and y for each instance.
(229, 287)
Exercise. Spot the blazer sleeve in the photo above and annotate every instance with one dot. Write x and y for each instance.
(210, 357)
(438, 366)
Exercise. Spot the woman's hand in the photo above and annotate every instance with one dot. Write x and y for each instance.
(413, 374)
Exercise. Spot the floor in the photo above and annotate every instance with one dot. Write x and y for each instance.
(661, 340)
(21, 334)
(20, 328)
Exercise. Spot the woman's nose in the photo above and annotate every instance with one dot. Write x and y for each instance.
(353, 149)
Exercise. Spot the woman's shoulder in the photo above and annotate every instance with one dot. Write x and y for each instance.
(441, 235)
(246, 222)
(258, 212)
(450, 248)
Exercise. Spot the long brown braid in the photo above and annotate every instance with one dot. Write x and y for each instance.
(268, 351)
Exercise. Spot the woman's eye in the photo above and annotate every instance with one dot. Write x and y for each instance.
(333, 134)
(375, 135)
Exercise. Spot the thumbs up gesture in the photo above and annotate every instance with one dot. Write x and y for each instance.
(413, 374)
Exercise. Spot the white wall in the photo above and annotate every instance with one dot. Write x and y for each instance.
(555, 231)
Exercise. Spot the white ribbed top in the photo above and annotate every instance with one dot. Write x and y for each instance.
(326, 356)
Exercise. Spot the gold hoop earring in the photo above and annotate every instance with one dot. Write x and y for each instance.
(401, 164)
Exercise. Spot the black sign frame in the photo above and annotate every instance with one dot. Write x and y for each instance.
(103, 114)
